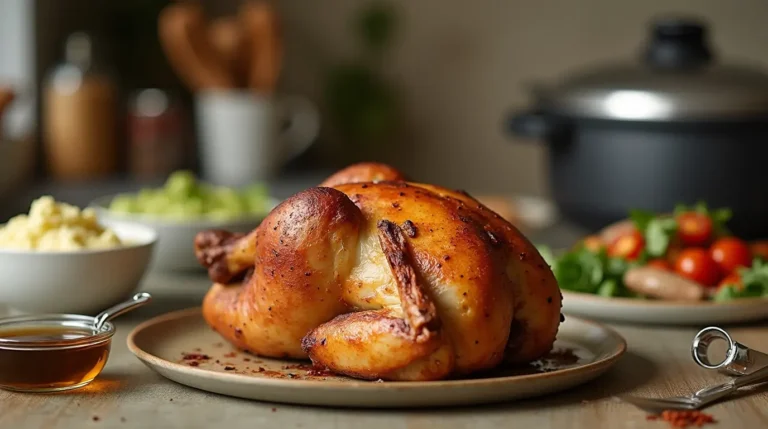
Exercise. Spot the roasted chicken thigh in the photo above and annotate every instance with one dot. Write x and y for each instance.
(374, 277)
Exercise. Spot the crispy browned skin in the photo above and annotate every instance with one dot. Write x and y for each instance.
(363, 172)
(390, 280)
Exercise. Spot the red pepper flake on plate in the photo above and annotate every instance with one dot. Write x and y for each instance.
(230, 355)
(683, 419)
(229, 368)
(195, 356)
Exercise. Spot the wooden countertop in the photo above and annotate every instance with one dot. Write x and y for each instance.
(130, 395)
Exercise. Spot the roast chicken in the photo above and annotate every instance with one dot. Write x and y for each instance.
(374, 277)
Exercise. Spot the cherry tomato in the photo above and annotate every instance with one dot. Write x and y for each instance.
(696, 264)
(627, 246)
(759, 248)
(730, 253)
(733, 279)
(593, 243)
(694, 229)
(660, 264)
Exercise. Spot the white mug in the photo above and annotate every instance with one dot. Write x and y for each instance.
(241, 137)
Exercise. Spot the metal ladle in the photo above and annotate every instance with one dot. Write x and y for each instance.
(135, 302)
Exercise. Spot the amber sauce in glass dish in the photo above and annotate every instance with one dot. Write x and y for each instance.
(52, 353)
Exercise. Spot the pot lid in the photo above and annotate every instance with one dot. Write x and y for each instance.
(677, 78)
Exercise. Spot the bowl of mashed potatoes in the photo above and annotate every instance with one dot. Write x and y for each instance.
(60, 259)
(180, 209)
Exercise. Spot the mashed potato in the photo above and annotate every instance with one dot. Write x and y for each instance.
(52, 226)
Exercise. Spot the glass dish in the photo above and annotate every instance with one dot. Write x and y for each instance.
(52, 352)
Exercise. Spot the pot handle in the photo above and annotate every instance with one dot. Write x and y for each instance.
(532, 124)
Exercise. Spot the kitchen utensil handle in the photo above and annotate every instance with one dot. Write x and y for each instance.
(266, 46)
(739, 359)
(711, 394)
(532, 124)
(303, 125)
(228, 39)
(184, 39)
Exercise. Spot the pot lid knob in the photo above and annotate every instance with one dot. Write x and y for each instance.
(678, 43)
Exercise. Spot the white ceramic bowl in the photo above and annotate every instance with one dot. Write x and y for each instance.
(175, 238)
(79, 282)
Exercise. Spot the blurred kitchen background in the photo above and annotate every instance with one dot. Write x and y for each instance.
(444, 80)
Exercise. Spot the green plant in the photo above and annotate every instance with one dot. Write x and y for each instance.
(361, 104)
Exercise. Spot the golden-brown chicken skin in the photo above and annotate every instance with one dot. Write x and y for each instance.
(389, 280)
(364, 172)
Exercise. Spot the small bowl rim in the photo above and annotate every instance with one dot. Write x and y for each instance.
(145, 229)
(78, 320)
(101, 205)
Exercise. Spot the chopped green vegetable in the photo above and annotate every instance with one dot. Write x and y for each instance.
(580, 271)
(641, 219)
(184, 197)
(616, 267)
(753, 279)
(729, 292)
(657, 231)
(658, 234)
(609, 288)
(755, 275)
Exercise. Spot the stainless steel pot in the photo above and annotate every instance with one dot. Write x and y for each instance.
(677, 126)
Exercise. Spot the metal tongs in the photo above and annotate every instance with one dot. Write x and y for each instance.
(750, 367)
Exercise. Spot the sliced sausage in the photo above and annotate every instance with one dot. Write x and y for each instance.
(662, 284)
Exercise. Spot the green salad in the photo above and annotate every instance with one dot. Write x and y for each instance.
(184, 197)
(584, 270)
(689, 248)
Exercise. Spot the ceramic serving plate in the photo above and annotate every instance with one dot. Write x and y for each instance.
(181, 347)
(664, 312)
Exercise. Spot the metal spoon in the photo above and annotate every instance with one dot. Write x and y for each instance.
(700, 399)
(135, 302)
(748, 366)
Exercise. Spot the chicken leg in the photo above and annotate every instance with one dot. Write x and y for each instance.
(401, 343)
(304, 250)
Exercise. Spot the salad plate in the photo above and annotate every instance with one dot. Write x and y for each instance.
(679, 268)
(656, 312)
